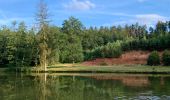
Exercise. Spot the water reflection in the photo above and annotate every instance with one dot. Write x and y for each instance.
(84, 87)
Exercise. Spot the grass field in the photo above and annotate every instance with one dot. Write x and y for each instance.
(109, 69)
(78, 68)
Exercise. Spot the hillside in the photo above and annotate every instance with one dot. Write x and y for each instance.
(131, 57)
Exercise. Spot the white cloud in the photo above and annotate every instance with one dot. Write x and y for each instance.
(150, 19)
(79, 5)
(112, 13)
(142, 19)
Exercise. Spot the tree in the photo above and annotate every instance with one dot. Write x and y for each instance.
(161, 28)
(21, 45)
(43, 22)
(3, 46)
(73, 51)
(9, 46)
(53, 44)
(91, 38)
(72, 26)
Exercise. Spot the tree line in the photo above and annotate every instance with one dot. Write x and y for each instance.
(73, 42)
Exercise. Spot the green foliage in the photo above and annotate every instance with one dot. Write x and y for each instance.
(161, 42)
(166, 58)
(53, 45)
(91, 39)
(161, 28)
(153, 59)
(74, 43)
(111, 50)
(88, 55)
(72, 26)
(72, 50)
(18, 48)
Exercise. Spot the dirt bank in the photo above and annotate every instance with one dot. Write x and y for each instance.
(132, 57)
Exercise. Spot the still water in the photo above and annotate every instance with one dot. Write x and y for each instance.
(84, 87)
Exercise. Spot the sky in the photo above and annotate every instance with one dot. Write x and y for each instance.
(89, 12)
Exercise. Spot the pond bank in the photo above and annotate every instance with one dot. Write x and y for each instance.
(111, 69)
(76, 68)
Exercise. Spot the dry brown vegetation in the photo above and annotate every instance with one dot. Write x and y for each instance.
(132, 57)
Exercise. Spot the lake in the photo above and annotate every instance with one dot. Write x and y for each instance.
(84, 87)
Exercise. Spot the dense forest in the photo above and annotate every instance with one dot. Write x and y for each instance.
(73, 42)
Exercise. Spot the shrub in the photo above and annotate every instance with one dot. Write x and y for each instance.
(97, 52)
(126, 46)
(113, 50)
(117, 52)
(166, 57)
(153, 59)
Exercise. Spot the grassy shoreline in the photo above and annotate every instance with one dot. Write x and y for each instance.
(112, 69)
(78, 68)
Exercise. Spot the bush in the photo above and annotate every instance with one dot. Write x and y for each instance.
(153, 59)
(113, 50)
(166, 58)
(96, 53)
(88, 55)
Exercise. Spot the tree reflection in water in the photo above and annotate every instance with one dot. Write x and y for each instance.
(83, 87)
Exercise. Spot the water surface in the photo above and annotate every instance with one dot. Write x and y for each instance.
(84, 87)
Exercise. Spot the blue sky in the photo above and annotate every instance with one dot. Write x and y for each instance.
(90, 12)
